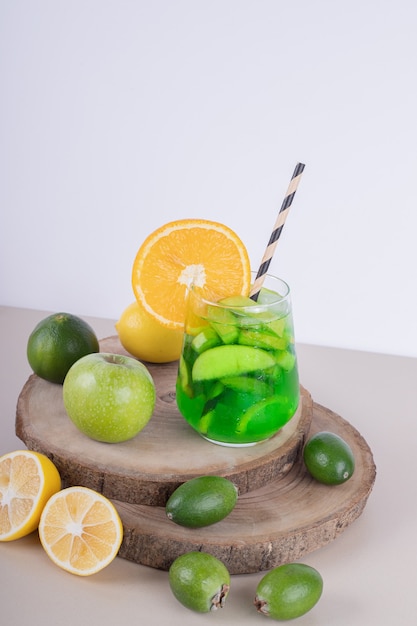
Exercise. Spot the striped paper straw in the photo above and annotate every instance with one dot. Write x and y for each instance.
(276, 233)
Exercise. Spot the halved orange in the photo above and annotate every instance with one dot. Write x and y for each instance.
(198, 252)
(80, 530)
(27, 480)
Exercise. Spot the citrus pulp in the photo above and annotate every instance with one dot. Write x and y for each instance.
(27, 480)
(80, 530)
(191, 252)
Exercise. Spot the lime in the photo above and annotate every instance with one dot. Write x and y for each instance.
(57, 342)
(328, 458)
(202, 501)
(199, 581)
(288, 591)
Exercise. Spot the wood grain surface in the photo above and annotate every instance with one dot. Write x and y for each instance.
(278, 523)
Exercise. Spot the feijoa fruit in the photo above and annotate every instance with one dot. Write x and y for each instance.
(288, 591)
(329, 458)
(201, 501)
(199, 581)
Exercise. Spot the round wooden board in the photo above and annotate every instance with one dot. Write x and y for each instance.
(278, 523)
(281, 514)
(166, 453)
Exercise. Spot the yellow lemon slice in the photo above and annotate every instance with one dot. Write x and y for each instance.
(80, 530)
(27, 480)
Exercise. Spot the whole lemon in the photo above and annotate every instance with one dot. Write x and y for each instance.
(145, 338)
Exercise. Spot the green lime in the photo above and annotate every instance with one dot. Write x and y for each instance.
(57, 342)
(328, 458)
(199, 581)
(288, 591)
(202, 501)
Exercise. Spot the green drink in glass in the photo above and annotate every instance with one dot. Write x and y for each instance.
(237, 381)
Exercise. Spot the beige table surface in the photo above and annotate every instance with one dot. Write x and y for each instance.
(369, 572)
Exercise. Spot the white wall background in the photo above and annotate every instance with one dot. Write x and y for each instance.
(117, 116)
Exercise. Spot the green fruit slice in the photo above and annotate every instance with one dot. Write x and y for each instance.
(262, 338)
(201, 501)
(224, 323)
(214, 390)
(260, 412)
(199, 581)
(278, 326)
(254, 387)
(233, 360)
(184, 377)
(285, 359)
(206, 339)
(329, 458)
(238, 301)
(205, 422)
(288, 591)
(257, 316)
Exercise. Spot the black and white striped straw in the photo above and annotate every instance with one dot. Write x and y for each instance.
(277, 230)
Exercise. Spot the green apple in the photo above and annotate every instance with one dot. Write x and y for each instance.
(109, 397)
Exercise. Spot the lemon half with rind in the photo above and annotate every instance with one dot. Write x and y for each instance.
(27, 480)
(80, 530)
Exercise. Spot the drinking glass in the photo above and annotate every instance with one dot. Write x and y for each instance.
(237, 382)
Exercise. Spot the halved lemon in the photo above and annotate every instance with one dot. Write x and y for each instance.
(208, 255)
(27, 480)
(80, 530)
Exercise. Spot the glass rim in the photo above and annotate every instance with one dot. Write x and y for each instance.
(281, 298)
